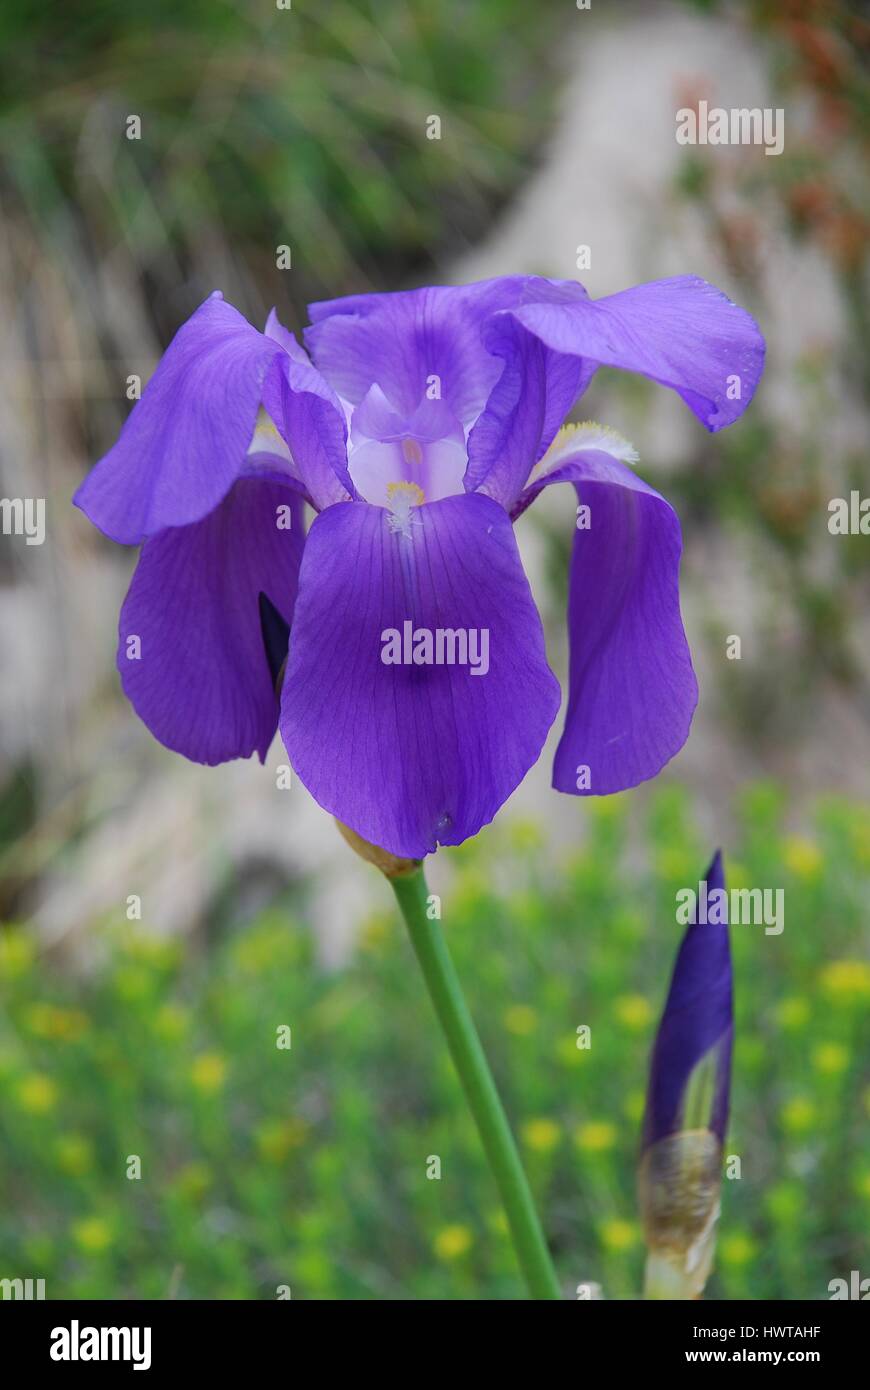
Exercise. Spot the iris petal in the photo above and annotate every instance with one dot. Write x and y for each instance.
(310, 418)
(411, 756)
(411, 342)
(191, 653)
(632, 690)
(682, 332)
(184, 442)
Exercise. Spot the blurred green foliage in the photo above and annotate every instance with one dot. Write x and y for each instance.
(307, 1167)
(263, 127)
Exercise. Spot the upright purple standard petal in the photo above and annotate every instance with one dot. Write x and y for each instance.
(184, 442)
(191, 652)
(632, 690)
(412, 342)
(696, 1030)
(536, 390)
(411, 756)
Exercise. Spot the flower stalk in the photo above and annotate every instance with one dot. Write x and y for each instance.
(483, 1099)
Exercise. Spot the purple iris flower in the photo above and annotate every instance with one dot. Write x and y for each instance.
(419, 428)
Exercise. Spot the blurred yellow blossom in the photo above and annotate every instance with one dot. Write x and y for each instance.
(74, 1153)
(17, 953)
(92, 1234)
(541, 1135)
(596, 1136)
(862, 1185)
(799, 1114)
(208, 1072)
(37, 1093)
(794, 1012)
(634, 1011)
(736, 1249)
(618, 1234)
(803, 857)
(520, 1019)
(830, 1058)
(452, 1242)
(846, 980)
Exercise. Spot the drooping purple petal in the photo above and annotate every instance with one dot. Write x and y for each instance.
(199, 675)
(309, 416)
(412, 342)
(697, 1027)
(682, 332)
(632, 689)
(184, 442)
(411, 756)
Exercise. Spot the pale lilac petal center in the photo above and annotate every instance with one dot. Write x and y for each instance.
(400, 461)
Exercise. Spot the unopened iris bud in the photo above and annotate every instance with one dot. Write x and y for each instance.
(687, 1112)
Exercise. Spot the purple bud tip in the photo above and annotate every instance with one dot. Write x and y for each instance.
(690, 1071)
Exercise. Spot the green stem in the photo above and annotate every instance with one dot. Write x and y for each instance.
(470, 1061)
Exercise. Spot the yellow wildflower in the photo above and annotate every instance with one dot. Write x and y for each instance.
(452, 1242)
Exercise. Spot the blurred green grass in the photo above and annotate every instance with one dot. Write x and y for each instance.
(262, 127)
(307, 1167)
